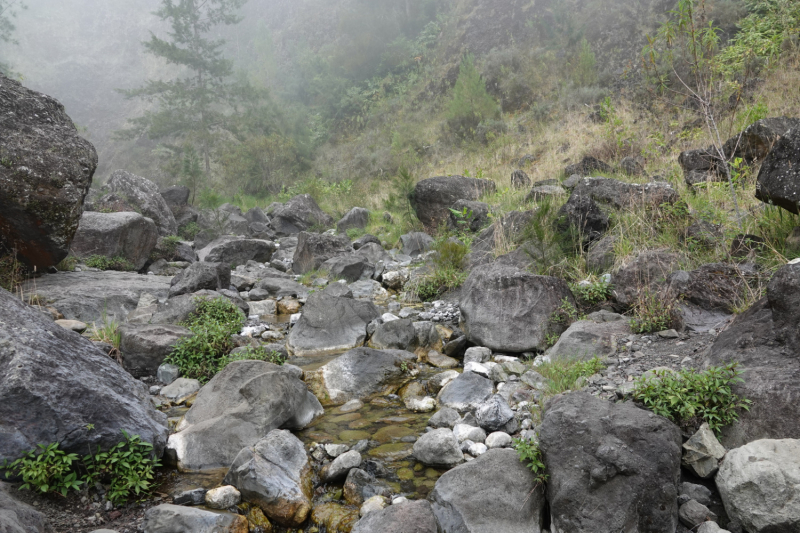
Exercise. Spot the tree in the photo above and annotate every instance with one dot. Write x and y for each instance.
(8, 12)
(193, 106)
(471, 103)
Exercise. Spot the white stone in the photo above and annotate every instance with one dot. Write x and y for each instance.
(264, 307)
(498, 439)
(180, 390)
(376, 503)
(223, 497)
(351, 406)
(466, 432)
(335, 450)
(477, 368)
(399, 499)
(420, 405)
(389, 317)
(477, 449)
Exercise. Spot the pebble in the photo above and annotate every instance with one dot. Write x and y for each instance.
(477, 449)
(223, 497)
(375, 503)
(399, 499)
(351, 406)
(335, 450)
(500, 439)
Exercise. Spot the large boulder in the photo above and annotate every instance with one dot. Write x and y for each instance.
(586, 339)
(467, 392)
(56, 386)
(46, 171)
(495, 492)
(587, 165)
(234, 251)
(395, 334)
(360, 374)
(331, 324)
(144, 347)
(178, 309)
(350, 267)
(18, 517)
(509, 310)
(433, 197)
(277, 287)
(144, 196)
(93, 296)
(275, 475)
(619, 194)
(612, 467)
(416, 243)
(779, 177)
(757, 139)
(647, 271)
(765, 342)
(507, 229)
(301, 213)
(313, 249)
(582, 220)
(199, 276)
(760, 485)
(169, 518)
(713, 287)
(176, 196)
(242, 403)
(356, 218)
(408, 517)
(127, 235)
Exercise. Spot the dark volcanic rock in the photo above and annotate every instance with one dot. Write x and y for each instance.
(757, 139)
(301, 213)
(648, 270)
(46, 169)
(713, 287)
(144, 347)
(234, 251)
(779, 177)
(466, 214)
(55, 384)
(313, 249)
(18, 517)
(177, 196)
(618, 194)
(433, 197)
(199, 276)
(612, 467)
(582, 218)
(586, 166)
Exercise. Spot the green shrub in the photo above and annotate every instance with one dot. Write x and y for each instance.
(448, 270)
(50, 470)
(691, 397)
(189, 231)
(471, 103)
(530, 453)
(592, 293)
(169, 245)
(652, 312)
(102, 262)
(202, 355)
(129, 467)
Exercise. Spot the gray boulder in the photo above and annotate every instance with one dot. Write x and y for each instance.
(360, 374)
(509, 228)
(758, 139)
(49, 171)
(433, 197)
(276, 287)
(702, 453)
(760, 485)
(176, 196)
(713, 287)
(507, 310)
(415, 244)
(127, 235)
(648, 270)
(275, 475)
(301, 213)
(438, 448)
(466, 393)
(144, 347)
(350, 267)
(245, 401)
(581, 219)
(176, 310)
(55, 385)
(341, 466)
(612, 467)
(199, 276)
(356, 218)
(234, 251)
(364, 240)
(169, 518)
(90, 296)
(256, 215)
(313, 249)
(331, 324)
(779, 177)
(586, 339)
(408, 517)
(765, 342)
(396, 335)
(445, 417)
(373, 252)
(495, 492)
(619, 194)
(143, 195)
(18, 517)
(494, 414)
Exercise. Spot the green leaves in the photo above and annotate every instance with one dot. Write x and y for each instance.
(530, 454)
(51, 470)
(129, 467)
(690, 397)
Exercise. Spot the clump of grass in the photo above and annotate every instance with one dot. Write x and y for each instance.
(67, 264)
(563, 375)
(102, 262)
(256, 354)
(448, 269)
(652, 312)
(108, 331)
(12, 272)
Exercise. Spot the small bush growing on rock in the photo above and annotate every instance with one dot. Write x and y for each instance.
(529, 452)
(102, 262)
(129, 466)
(691, 397)
(202, 355)
(67, 264)
(566, 375)
(50, 470)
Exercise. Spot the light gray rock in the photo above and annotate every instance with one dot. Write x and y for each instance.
(415, 244)
(246, 400)
(349, 267)
(692, 514)
(127, 235)
(495, 492)
(18, 517)
(498, 439)
(167, 373)
(144, 347)
(477, 448)
(695, 492)
(437, 382)
(66, 385)
(168, 518)
(760, 485)
(702, 453)
(410, 517)
(330, 324)
(444, 418)
(356, 218)
(375, 503)
(361, 486)
(464, 432)
(144, 196)
(494, 414)
(711, 527)
(586, 339)
(301, 213)
(438, 448)
(275, 474)
(180, 390)
(477, 354)
(223, 497)
(467, 392)
(234, 251)
(340, 466)
(395, 335)
(360, 374)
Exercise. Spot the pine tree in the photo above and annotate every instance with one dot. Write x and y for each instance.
(471, 103)
(190, 107)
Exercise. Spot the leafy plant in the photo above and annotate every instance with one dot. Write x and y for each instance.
(591, 293)
(169, 245)
(129, 466)
(691, 397)
(651, 312)
(203, 354)
(530, 454)
(567, 313)
(189, 231)
(49, 470)
(67, 264)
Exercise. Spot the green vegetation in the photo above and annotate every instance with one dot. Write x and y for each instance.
(12, 272)
(108, 331)
(189, 231)
(204, 354)
(67, 264)
(256, 354)
(102, 262)
(591, 293)
(530, 453)
(448, 269)
(49, 470)
(169, 245)
(691, 397)
(471, 104)
(564, 375)
(652, 312)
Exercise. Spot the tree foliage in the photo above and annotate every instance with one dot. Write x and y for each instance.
(471, 103)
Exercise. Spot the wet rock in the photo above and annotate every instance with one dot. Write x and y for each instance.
(190, 497)
(702, 453)
(507, 500)
(467, 392)
(433, 197)
(333, 517)
(127, 235)
(609, 465)
(223, 497)
(167, 373)
(409, 517)
(144, 347)
(64, 383)
(143, 195)
(507, 310)
(246, 400)
(314, 249)
(760, 485)
(376, 503)
(49, 173)
(331, 324)
(167, 518)
(301, 213)
(275, 475)
(361, 486)
(362, 373)
(438, 448)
